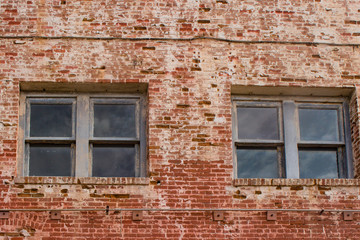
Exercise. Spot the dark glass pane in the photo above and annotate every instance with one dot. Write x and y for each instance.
(113, 161)
(50, 160)
(319, 124)
(257, 163)
(51, 120)
(318, 164)
(114, 120)
(258, 123)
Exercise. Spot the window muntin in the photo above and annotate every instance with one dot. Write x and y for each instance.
(321, 140)
(50, 136)
(260, 142)
(115, 137)
(61, 140)
(299, 150)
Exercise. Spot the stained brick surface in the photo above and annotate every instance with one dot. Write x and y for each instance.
(190, 165)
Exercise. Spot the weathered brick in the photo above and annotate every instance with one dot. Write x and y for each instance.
(189, 81)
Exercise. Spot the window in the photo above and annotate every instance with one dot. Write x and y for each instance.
(291, 137)
(83, 135)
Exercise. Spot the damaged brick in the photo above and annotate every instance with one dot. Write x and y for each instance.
(240, 196)
(205, 102)
(148, 48)
(204, 21)
(322, 188)
(195, 69)
(182, 105)
(109, 195)
(162, 126)
(198, 139)
(139, 28)
(296, 188)
(204, 9)
(88, 19)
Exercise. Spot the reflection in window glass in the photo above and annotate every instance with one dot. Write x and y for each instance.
(317, 163)
(113, 161)
(51, 120)
(114, 120)
(258, 123)
(319, 124)
(50, 160)
(257, 163)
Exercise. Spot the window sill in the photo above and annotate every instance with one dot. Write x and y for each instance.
(295, 182)
(83, 180)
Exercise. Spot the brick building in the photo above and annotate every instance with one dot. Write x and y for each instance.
(241, 107)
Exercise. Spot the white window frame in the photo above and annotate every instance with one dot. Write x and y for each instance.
(289, 130)
(82, 138)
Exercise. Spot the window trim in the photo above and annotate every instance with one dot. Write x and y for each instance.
(82, 140)
(291, 130)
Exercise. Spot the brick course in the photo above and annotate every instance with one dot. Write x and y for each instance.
(268, 43)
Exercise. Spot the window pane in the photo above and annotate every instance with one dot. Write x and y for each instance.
(50, 160)
(113, 161)
(114, 120)
(51, 120)
(318, 163)
(319, 124)
(258, 123)
(257, 163)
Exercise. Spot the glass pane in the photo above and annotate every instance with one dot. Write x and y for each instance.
(319, 124)
(258, 123)
(257, 163)
(113, 161)
(114, 120)
(318, 164)
(50, 160)
(51, 120)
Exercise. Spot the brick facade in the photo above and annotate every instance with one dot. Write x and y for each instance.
(191, 55)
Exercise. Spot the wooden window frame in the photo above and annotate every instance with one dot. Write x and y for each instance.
(82, 137)
(290, 131)
(261, 143)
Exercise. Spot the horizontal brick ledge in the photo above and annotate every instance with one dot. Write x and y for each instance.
(83, 180)
(295, 182)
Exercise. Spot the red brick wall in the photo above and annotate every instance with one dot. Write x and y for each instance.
(189, 112)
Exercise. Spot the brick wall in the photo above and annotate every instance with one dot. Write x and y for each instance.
(244, 43)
